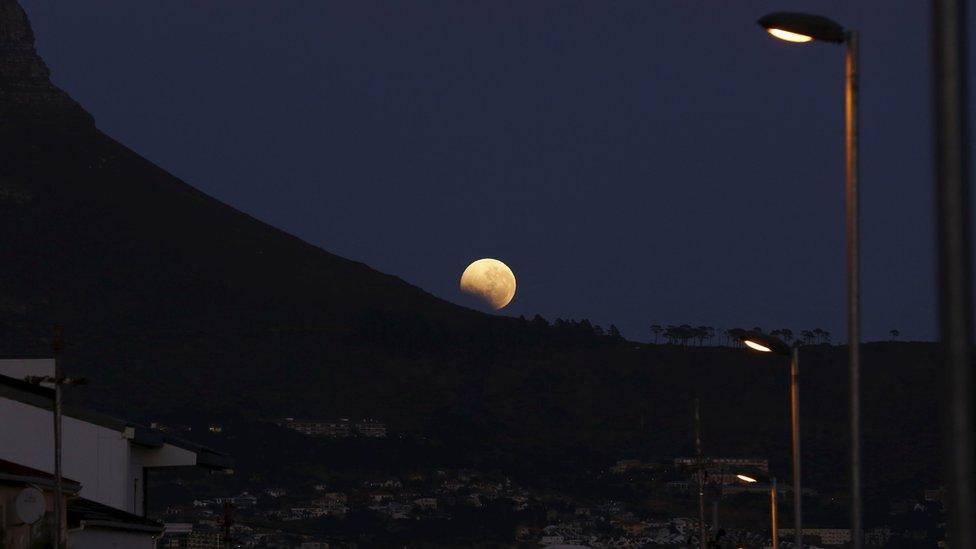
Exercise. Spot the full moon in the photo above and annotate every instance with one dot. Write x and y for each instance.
(491, 281)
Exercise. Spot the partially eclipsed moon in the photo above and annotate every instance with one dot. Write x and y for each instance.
(490, 280)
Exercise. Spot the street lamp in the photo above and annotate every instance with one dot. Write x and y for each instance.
(769, 344)
(802, 27)
(773, 513)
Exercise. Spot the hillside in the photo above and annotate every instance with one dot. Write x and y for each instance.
(179, 307)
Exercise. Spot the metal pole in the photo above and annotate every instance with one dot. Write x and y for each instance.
(715, 517)
(795, 419)
(953, 224)
(773, 517)
(57, 345)
(701, 479)
(851, 92)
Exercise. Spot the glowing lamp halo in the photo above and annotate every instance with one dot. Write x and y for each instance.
(746, 478)
(790, 36)
(757, 346)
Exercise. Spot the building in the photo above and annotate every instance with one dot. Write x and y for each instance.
(185, 536)
(724, 470)
(332, 503)
(19, 481)
(878, 537)
(625, 466)
(739, 463)
(827, 536)
(245, 500)
(300, 513)
(371, 428)
(426, 504)
(110, 458)
(92, 525)
(335, 428)
(332, 428)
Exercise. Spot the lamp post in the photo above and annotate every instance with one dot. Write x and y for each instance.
(58, 380)
(800, 28)
(768, 344)
(773, 513)
(950, 76)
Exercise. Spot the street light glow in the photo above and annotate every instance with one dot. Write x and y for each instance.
(745, 478)
(789, 36)
(753, 345)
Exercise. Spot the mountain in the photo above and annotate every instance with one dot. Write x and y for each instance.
(179, 307)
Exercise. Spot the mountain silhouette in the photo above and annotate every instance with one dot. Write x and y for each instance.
(177, 306)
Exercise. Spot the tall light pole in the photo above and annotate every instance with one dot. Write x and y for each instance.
(769, 344)
(954, 230)
(800, 28)
(773, 513)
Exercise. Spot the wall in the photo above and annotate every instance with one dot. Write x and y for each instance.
(99, 538)
(95, 456)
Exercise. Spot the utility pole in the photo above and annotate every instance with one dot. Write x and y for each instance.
(228, 521)
(57, 345)
(701, 479)
(58, 379)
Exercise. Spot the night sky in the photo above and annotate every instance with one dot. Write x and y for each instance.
(655, 161)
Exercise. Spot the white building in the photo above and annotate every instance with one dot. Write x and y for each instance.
(111, 458)
(92, 525)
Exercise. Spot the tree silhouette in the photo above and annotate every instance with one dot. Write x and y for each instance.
(735, 336)
(701, 334)
(894, 334)
(656, 329)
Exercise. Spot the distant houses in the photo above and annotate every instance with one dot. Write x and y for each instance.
(723, 471)
(335, 428)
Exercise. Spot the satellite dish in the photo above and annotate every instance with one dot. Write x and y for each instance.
(30, 505)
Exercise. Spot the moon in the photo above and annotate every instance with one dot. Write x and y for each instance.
(491, 281)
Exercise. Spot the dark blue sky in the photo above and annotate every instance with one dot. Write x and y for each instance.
(654, 161)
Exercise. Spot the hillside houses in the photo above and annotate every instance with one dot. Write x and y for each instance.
(335, 428)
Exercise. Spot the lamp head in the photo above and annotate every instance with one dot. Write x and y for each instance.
(802, 27)
(765, 343)
(753, 475)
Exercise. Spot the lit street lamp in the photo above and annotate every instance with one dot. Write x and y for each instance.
(801, 27)
(773, 516)
(769, 344)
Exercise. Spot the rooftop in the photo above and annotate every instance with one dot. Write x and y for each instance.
(15, 473)
(43, 397)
